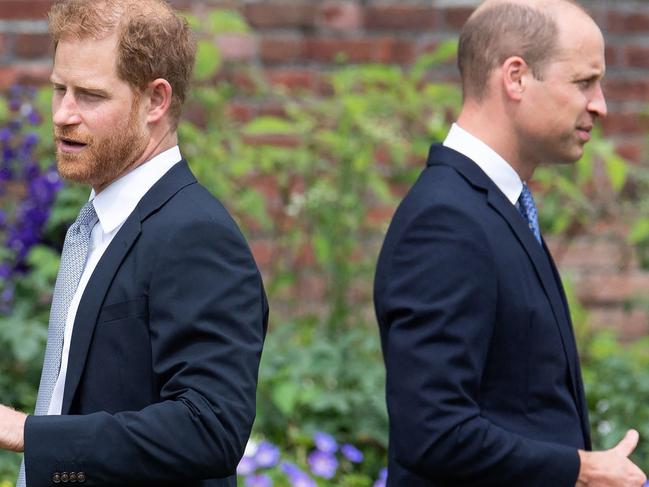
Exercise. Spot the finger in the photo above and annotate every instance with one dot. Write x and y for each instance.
(628, 443)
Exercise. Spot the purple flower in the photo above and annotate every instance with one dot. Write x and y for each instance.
(5, 134)
(34, 118)
(352, 453)
(325, 442)
(323, 464)
(246, 466)
(267, 455)
(302, 480)
(290, 469)
(261, 480)
(383, 478)
(297, 477)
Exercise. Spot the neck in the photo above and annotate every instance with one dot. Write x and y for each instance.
(494, 128)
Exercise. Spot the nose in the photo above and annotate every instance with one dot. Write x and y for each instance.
(597, 103)
(64, 109)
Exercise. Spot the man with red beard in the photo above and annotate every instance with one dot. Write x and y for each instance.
(159, 313)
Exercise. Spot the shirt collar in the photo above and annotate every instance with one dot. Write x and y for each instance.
(493, 165)
(117, 201)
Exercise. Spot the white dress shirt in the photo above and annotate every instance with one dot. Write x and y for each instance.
(493, 165)
(113, 206)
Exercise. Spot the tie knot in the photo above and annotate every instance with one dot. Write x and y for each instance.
(86, 218)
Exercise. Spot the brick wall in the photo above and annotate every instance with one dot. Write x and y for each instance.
(295, 41)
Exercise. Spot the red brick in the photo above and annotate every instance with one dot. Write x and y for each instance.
(294, 79)
(455, 17)
(32, 46)
(631, 324)
(237, 47)
(312, 288)
(621, 89)
(3, 44)
(588, 255)
(637, 56)
(633, 150)
(263, 251)
(359, 50)
(277, 140)
(272, 15)
(613, 289)
(339, 15)
(626, 22)
(379, 216)
(279, 49)
(24, 9)
(306, 256)
(31, 74)
(625, 123)
(243, 80)
(612, 55)
(272, 109)
(400, 17)
(241, 111)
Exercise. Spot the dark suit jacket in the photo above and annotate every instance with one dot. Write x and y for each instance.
(483, 379)
(160, 387)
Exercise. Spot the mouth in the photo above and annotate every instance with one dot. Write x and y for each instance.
(66, 144)
(584, 132)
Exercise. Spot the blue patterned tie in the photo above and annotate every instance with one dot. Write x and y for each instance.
(528, 209)
(73, 261)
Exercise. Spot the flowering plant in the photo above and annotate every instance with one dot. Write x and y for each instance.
(325, 463)
(28, 189)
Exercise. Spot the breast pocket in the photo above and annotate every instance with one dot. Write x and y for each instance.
(133, 308)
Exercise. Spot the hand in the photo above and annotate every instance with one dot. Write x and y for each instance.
(12, 429)
(611, 468)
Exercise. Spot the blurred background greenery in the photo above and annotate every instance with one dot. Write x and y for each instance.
(312, 187)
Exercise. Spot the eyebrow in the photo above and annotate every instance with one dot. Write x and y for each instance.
(82, 89)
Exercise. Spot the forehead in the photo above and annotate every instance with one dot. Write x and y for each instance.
(86, 60)
(580, 45)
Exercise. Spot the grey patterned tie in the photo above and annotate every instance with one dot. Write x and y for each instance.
(73, 261)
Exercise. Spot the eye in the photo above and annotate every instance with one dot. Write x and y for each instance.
(585, 83)
(89, 96)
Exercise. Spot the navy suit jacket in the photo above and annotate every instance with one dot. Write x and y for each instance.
(160, 387)
(483, 379)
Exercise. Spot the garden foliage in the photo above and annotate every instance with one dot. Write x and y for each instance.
(307, 183)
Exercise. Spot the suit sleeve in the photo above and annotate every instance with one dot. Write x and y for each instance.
(207, 318)
(438, 293)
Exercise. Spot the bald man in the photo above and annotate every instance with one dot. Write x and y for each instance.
(483, 380)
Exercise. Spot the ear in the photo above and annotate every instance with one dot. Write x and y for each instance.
(514, 76)
(159, 93)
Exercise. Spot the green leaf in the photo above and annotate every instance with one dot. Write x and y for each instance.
(227, 21)
(639, 231)
(445, 51)
(266, 125)
(208, 60)
(617, 169)
(193, 20)
(285, 396)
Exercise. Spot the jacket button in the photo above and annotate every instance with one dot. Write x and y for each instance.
(56, 478)
(81, 477)
(65, 478)
(73, 477)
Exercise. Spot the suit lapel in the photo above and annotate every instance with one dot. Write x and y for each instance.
(538, 254)
(93, 297)
(91, 302)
